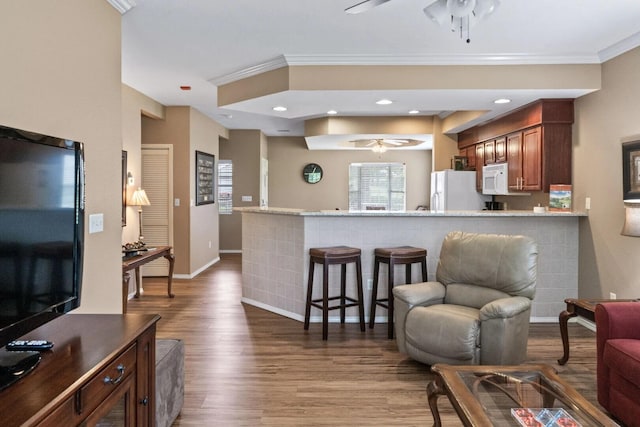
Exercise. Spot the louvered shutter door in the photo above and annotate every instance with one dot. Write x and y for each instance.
(156, 217)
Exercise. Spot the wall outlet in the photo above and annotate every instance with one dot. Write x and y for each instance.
(587, 203)
(209, 244)
(369, 284)
(612, 295)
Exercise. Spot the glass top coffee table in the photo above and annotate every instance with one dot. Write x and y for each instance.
(511, 396)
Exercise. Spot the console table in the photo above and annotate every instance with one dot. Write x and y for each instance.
(101, 370)
(135, 262)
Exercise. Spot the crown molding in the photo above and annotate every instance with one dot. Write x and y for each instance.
(122, 6)
(619, 48)
(401, 60)
(254, 70)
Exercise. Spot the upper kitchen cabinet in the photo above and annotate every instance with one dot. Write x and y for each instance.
(535, 140)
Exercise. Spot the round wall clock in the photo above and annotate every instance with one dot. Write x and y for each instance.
(312, 173)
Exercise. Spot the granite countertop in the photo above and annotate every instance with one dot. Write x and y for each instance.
(426, 213)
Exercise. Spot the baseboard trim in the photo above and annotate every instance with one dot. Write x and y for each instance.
(231, 251)
(198, 271)
(586, 323)
(272, 309)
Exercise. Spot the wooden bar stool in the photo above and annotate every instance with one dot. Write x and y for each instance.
(339, 255)
(407, 255)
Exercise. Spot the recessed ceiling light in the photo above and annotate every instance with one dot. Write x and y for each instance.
(332, 112)
(384, 102)
(279, 108)
(414, 112)
(502, 101)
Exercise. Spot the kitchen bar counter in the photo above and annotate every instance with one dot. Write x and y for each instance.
(425, 213)
(276, 242)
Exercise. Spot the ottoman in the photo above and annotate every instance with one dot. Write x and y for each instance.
(169, 380)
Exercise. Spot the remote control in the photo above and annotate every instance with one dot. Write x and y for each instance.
(34, 345)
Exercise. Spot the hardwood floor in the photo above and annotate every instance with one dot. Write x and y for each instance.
(249, 367)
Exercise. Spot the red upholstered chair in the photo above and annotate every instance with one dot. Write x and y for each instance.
(618, 363)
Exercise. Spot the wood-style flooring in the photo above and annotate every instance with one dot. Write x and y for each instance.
(249, 367)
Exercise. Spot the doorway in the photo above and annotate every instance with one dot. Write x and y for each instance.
(157, 219)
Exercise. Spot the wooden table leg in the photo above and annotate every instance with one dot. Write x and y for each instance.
(563, 319)
(435, 390)
(126, 277)
(137, 282)
(171, 260)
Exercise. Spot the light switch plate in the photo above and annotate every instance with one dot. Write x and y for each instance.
(96, 223)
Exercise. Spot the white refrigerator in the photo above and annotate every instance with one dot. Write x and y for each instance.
(455, 191)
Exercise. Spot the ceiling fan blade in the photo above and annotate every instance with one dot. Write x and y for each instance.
(364, 6)
(395, 141)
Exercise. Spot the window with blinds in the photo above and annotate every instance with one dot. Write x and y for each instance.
(225, 187)
(377, 186)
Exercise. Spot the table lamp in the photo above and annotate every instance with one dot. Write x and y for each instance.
(139, 198)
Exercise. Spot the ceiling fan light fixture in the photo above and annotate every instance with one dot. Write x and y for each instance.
(379, 148)
(485, 7)
(460, 8)
(438, 12)
(460, 15)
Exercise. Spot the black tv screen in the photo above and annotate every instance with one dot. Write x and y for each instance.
(41, 229)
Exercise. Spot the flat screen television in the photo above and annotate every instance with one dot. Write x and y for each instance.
(41, 229)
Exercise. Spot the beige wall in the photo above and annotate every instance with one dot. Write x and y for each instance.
(134, 105)
(444, 147)
(61, 76)
(194, 226)
(287, 189)
(204, 237)
(243, 148)
(174, 130)
(608, 261)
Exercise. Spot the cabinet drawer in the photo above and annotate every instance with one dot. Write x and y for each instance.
(108, 380)
(63, 415)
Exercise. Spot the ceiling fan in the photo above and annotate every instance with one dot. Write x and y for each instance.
(461, 15)
(380, 145)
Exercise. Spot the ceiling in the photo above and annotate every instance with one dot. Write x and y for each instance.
(208, 43)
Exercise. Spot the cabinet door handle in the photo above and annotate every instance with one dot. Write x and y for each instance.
(109, 380)
(144, 401)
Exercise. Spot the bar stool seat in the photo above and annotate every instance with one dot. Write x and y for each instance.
(406, 255)
(335, 255)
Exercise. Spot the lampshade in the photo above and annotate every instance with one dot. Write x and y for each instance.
(631, 225)
(139, 198)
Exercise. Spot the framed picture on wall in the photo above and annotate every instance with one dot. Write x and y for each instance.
(124, 188)
(631, 170)
(204, 178)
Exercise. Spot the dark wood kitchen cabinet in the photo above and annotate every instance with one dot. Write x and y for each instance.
(501, 150)
(479, 164)
(524, 159)
(536, 141)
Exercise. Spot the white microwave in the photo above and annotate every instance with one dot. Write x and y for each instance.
(495, 179)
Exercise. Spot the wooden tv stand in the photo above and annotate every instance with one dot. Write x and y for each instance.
(101, 366)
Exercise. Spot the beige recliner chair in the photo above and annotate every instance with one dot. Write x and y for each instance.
(478, 310)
